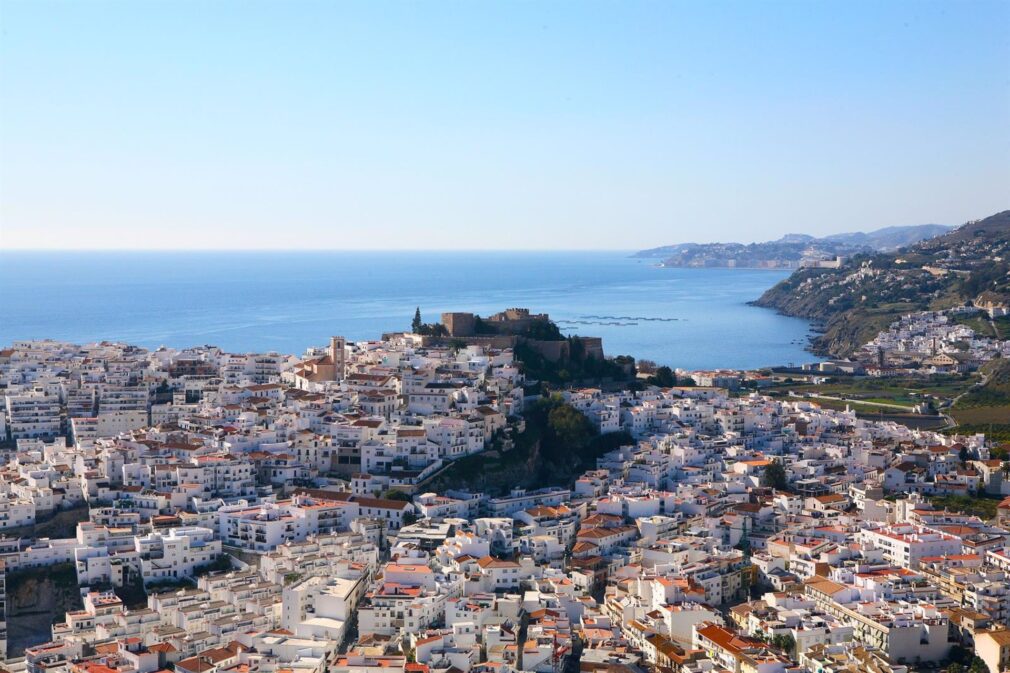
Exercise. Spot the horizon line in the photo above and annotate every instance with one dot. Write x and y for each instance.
(309, 250)
(643, 249)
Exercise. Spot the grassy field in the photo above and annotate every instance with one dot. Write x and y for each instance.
(941, 385)
(908, 400)
(985, 410)
(976, 410)
(868, 409)
(862, 394)
(904, 391)
(989, 404)
(985, 327)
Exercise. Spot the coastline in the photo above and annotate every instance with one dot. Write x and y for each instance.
(285, 302)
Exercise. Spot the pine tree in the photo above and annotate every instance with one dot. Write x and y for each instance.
(415, 326)
(775, 476)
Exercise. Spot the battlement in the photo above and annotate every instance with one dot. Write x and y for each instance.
(518, 315)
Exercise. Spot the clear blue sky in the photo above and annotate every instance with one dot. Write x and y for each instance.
(495, 125)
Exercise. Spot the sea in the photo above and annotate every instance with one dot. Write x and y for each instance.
(288, 301)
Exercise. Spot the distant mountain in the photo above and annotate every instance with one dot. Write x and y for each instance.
(792, 250)
(891, 238)
(869, 291)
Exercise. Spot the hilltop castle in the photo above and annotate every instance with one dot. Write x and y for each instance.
(517, 325)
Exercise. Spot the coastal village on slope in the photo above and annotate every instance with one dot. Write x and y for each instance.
(426, 503)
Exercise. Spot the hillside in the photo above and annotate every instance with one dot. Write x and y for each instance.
(869, 291)
(994, 394)
(986, 407)
(555, 445)
(792, 250)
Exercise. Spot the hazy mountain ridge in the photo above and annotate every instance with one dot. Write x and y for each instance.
(792, 250)
(892, 238)
(869, 291)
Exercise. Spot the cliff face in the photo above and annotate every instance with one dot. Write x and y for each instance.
(557, 443)
(851, 304)
(35, 599)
